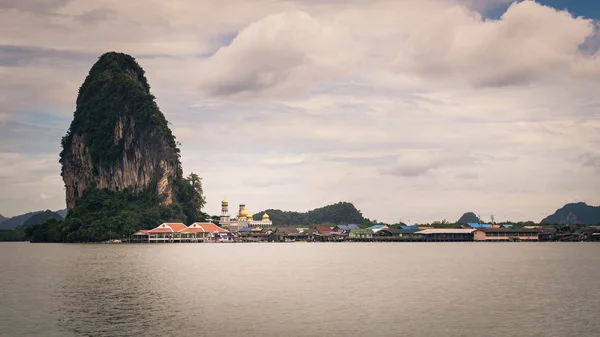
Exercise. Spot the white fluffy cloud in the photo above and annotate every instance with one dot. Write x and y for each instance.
(531, 42)
(393, 105)
(281, 53)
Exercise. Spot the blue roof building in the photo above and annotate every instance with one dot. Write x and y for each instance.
(410, 228)
(479, 225)
(353, 226)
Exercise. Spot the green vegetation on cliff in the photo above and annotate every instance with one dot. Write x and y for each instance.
(39, 218)
(340, 213)
(103, 214)
(575, 214)
(114, 88)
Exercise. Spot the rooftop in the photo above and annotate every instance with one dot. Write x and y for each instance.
(204, 227)
(447, 231)
(509, 230)
(168, 228)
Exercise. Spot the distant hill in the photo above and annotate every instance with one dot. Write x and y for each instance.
(469, 217)
(342, 212)
(2, 218)
(16, 221)
(62, 212)
(575, 214)
(39, 218)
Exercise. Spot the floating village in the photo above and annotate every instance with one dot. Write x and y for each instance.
(244, 228)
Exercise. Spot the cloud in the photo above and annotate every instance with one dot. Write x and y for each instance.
(591, 160)
(529, 43)
(466, 175)
(417, 163)
(95, 15)
(334, 100)
(19, 56)
(280, 54)
(37, 6)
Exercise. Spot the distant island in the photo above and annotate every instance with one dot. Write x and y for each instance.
(574, 214)
(469, 217)
(339, 213)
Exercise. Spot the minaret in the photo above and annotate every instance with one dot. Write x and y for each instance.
(224, 212)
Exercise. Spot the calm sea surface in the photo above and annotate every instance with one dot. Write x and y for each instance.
(300, 289)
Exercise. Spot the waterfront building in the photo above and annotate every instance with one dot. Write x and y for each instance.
(196, 232)
(254, 234)
(477, 225)
(509, 234)
(165, 232)
(243, 219)
(404, 233)
(203, 232)
(286, 234)
(377, 228)
(360, 234)
(448, 234)
(323, 230)
(326, 233)
(342, 228)
(139, 236)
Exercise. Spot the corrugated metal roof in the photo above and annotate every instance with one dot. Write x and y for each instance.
(323, 229)
(447, 231)
(343, 227)
(509, 230)
(402, 231)
(361, 231)
(479, 225)
(375, 227)
(410, 228)
(353, 226)
(246, 229)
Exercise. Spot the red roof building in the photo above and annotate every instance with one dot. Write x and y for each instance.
(204, 227)
(323, 229)
(168, 228)
(196, 232)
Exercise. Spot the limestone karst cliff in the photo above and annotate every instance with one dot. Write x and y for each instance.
(118, 137)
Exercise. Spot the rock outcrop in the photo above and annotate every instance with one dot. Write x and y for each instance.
(118, 137)
(469, 217)
(575, 214)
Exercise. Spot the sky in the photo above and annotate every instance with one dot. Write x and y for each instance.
(413, 110)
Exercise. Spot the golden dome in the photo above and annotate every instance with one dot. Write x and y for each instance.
(224, 201)
(249, 216)
(265, 216)
(244, 213)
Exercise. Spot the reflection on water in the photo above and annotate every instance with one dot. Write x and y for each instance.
(345, 289)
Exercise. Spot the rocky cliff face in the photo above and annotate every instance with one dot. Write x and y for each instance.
(118, 138)
(575, 214)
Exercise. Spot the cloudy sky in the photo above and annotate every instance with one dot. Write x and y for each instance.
(414, 110)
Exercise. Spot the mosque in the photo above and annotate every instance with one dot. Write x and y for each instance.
(244, 219)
